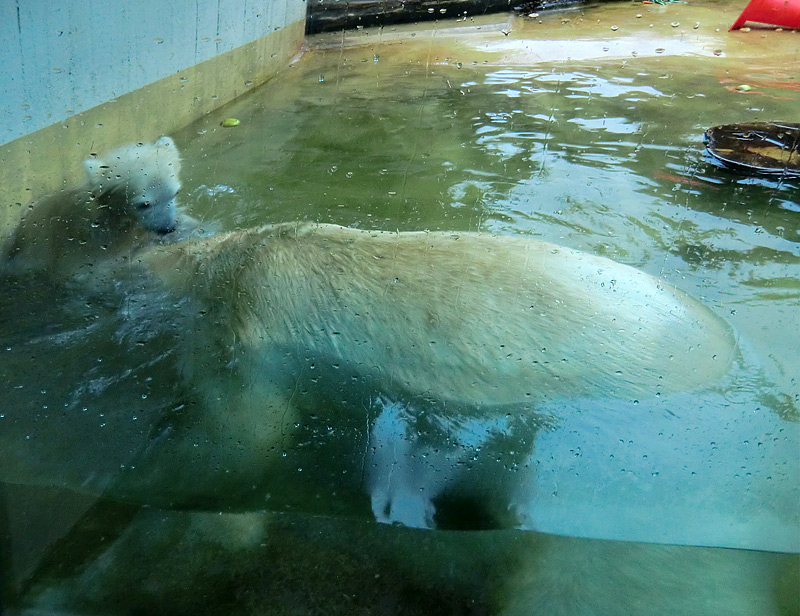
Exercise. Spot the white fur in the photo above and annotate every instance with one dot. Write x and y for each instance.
(440, 350)
(128, 200)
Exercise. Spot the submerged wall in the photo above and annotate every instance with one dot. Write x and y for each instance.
(81, 77)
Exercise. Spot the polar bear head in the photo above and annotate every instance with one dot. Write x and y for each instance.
(139, 182)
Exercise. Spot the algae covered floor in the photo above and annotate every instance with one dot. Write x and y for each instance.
(583, 128)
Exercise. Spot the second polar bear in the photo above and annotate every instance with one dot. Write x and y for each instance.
(128, 200)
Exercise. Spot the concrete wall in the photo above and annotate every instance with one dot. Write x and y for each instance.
(83, 76)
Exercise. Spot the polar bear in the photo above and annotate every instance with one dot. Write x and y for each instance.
(128, 200)
(429, 359)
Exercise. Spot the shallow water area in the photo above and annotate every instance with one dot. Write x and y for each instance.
(583, 128)
(590, 136)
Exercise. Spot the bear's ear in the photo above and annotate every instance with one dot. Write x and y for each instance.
(169, 151)
(166, 142)
(93, 168)
(97, 173)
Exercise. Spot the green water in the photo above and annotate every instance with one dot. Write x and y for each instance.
(601, 155)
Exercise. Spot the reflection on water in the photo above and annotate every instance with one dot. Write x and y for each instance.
(602, 155)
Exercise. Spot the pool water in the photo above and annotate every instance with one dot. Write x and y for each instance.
(468, 126)
(562, 129)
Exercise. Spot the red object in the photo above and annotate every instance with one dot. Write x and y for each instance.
(785, 13)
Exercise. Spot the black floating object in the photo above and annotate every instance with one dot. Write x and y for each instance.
(757, 148)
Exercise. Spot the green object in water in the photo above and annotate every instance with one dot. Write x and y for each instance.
(229, 122)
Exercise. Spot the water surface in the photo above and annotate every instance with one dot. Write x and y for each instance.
(576, 134)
